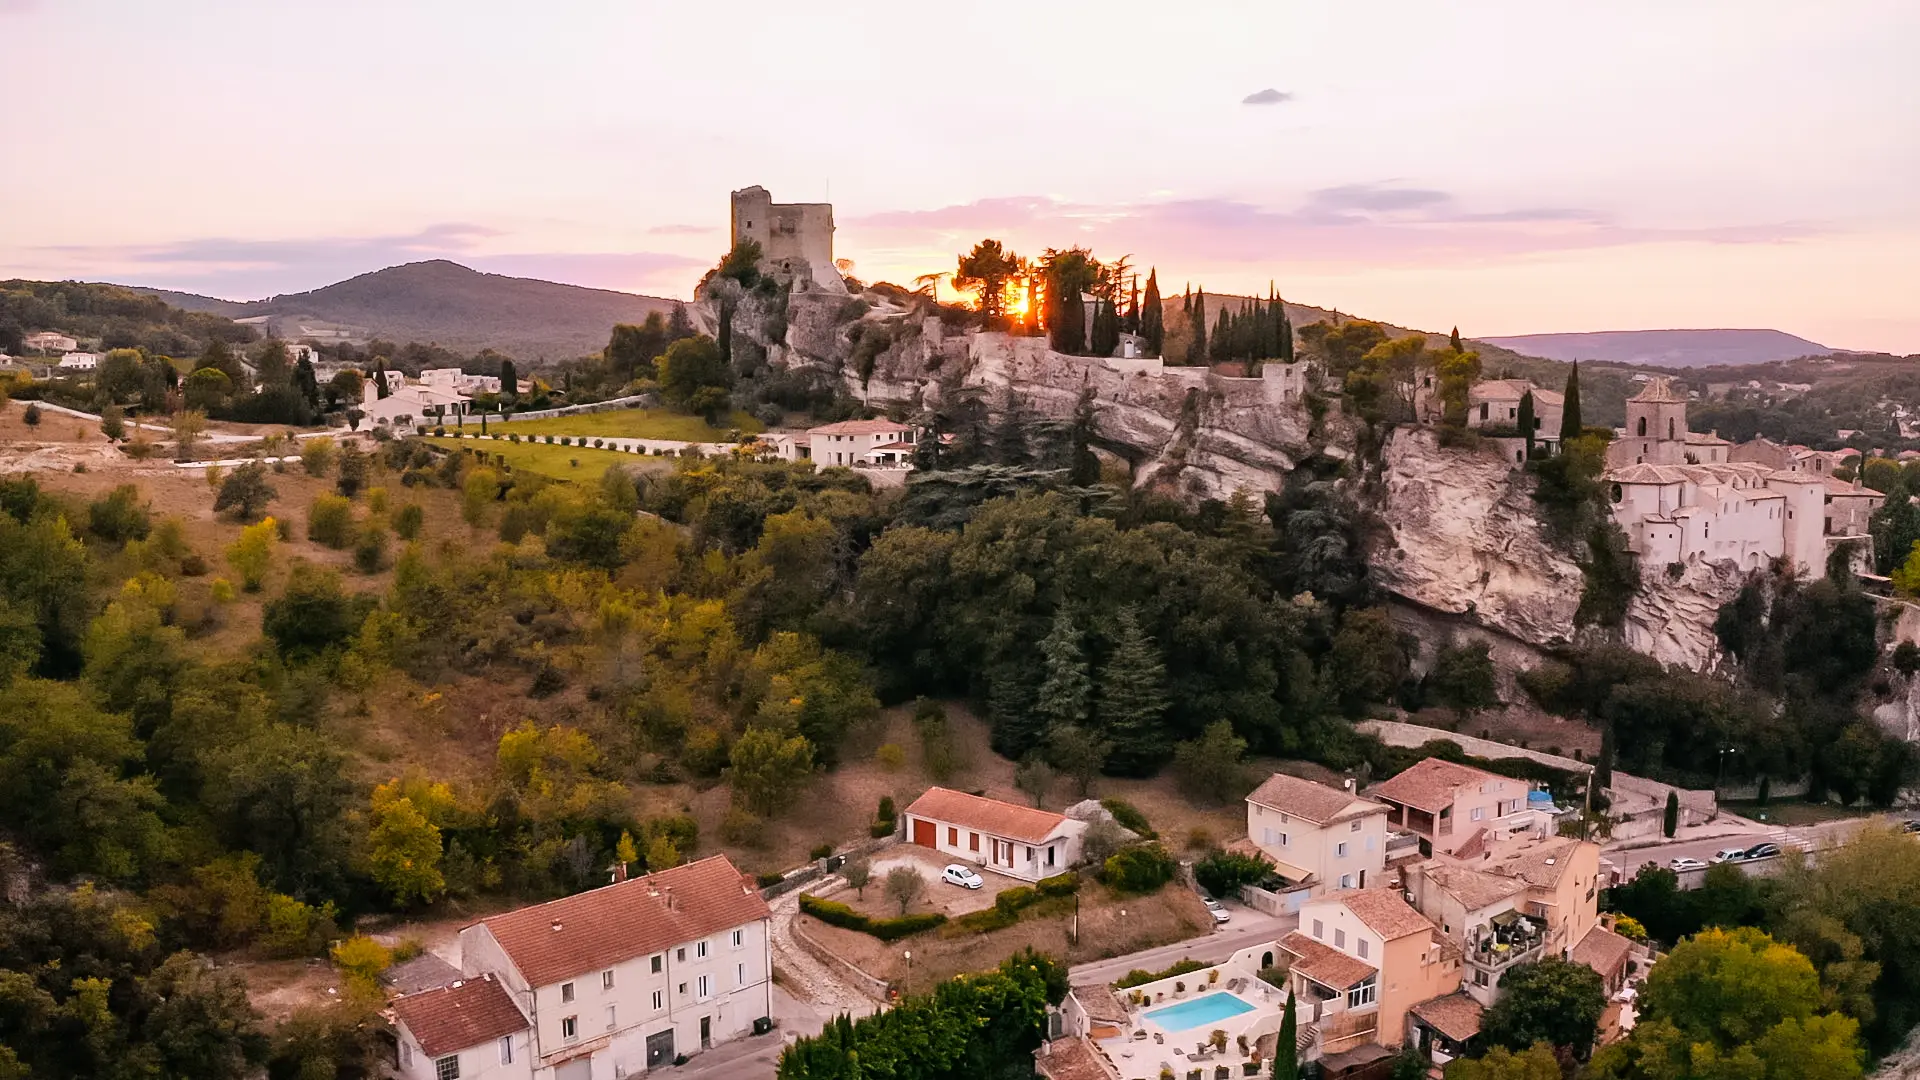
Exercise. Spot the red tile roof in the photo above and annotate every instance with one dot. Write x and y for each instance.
(460, 1015)
(1603, 951)
(1299, 798)
(592, 930)
(1430, 784)
(1070, 1059)
(1382, 911)
(858, 427)
(989, 816)
(1325, 964)
(1456, 1016)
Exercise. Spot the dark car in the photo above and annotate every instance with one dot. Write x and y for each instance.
(1911, 825)
(1763, 851)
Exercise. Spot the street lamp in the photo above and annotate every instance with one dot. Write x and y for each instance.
(1721, 775)
(909, 955)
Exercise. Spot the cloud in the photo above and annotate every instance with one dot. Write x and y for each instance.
(683, 230)
(1269, 96)
(18, 7)
(244, 269)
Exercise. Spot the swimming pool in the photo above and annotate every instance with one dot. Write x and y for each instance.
(1201, 1011)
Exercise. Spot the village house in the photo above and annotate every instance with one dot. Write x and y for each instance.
(1018, 841)
(1451, 807)
(412, 405)
(1320, 836)
(47, 342)
(1494, 405)
(860, 442)
(1361, 961)
(80, 361)
(459, 381)
(627, 977)
(467, 1028)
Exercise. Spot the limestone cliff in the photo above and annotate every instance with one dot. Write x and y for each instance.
(1671, 617)
(1465, 540)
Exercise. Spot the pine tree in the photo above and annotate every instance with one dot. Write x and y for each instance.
(679, 323)
(1527, 422)
(1067, 690)
(1133, 699)
(1570, 417)
(1010, 434)
(1070, 329)
(1152, 317)
(1455, 339)
(1197, 318)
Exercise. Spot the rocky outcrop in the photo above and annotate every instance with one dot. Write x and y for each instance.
(1465, 540)
(1671, 617)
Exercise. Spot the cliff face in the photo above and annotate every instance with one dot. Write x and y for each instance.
(1465, 541)
(1671, 618)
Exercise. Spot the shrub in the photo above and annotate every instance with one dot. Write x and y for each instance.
(767, 881)
(407, 521)
(1141, 868)
(1223, 872)
(1129, 817)
(370, 553)
(330, 521)
(881, 828)
(1059, 884)
(838, 914)
(886, 811)
(316, 456)
(1138, 977)
(891, 756)
(984, 921)
(820, 852)
(1012, 900)
(120, 516)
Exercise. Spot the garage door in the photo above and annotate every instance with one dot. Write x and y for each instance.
(923, 832)
(577, 1069)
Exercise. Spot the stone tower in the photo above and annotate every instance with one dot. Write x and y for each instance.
(1656, 431)
(796, 239)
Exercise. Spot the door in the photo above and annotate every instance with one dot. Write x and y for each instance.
(706, 1032)
(660, 1049)
(923, 833)
(577, 1069)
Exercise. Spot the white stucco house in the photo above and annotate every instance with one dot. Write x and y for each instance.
(468, 1028)
(1324, 837)
(1018, 841)
(412, 405)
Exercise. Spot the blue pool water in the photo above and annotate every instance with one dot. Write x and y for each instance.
(1199, 1012)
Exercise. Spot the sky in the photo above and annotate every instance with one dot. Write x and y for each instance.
(1506, 166)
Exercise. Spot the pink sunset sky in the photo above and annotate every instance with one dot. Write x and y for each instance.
(1509, 166)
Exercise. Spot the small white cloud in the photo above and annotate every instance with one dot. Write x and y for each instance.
(1269, 96)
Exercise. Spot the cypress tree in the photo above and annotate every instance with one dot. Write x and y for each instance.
(1527, 422)
(1133, 699)
(1570, 418)
(380, 379)
(1070, 329)
(509, 380)
(1152, 316)
(1066, 690)
(1197, 318)
(1286, 1055)
(1133, 308)
(1671, 822)
(1222, 344)
(1455, 339)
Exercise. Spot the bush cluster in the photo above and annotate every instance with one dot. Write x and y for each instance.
(1129, 817)
(838, 914)
(1141, 868)
(1139, 977)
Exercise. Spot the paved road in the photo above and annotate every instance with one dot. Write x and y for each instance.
(1812, 837)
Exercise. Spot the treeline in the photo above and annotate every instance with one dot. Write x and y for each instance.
(118, 318)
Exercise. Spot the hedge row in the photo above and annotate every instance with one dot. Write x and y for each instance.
(1138, 977)
(1008, 905)
(838, 914)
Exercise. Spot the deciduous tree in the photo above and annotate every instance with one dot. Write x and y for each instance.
(1550, 1001)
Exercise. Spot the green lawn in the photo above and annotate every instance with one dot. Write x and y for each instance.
(629, 424)
(557, 461)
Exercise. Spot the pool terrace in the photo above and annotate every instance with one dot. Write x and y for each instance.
(1216, 1023)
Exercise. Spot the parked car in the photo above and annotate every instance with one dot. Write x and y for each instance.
(1216, 909)
(1910, 825)
(955, 874)
(1732, 854)
(1687, 863)
(1763, 851)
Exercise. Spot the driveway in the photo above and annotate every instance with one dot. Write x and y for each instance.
(949, 900)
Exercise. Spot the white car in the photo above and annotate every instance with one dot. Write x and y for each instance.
(1216, 909)
(1687, 863)
(955, 874)
(1730, 855)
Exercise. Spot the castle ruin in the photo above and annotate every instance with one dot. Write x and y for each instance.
(796, 239)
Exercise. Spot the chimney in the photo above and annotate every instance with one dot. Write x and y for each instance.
(617, 873)
(556, 926)
(1349, 783)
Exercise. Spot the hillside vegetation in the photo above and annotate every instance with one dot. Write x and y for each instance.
(1666, 348)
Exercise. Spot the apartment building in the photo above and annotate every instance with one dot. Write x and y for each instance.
(1324, 837)
(1451, 807)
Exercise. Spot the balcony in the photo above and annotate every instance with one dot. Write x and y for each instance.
(1511, 938)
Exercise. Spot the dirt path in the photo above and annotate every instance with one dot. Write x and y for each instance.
(811, 981)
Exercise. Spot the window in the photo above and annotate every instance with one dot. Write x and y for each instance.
(1339, 851)
(1361, 944)
(1370, 842)
(1346, 882)
(740, 975)
(1339, 938)
(739, 938)
(1364, 994)
(447, 1068)
(973, 841)
(566, 992)
(680, 954)
(1029, 853)
(606, 979)
(1283, 839)
(406, 1054)
(570, 1028)
(1355, 827)
(1050, 856)
(683, 989)
(1479, 812)
(506, 1049)
(658, 1002)
(706, 988)
(1319, 930)
(610, 1022)
(700, 950)
(659, 961)
(953, 836)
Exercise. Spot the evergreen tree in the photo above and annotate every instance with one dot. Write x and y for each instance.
(1106, 328)
(380, 379)
(1010, 434)
(1455, 339)
(1570, 418)
(1083, 467)
(725, 339)
(1017, 726)
(1069, 324)
(679, 324)
(1066, 690)
(1286, 1055)
(307, 383)
(1222, 345)
(1133, 699)
(1197, 318)
(1285, 351)
(509, 380)
(1152, 318)
(1527, 421)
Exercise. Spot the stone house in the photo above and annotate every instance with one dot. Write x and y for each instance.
(1451, 807)
(467, 1028)
(1325, 837)
(1495, 404)
(796, 239)
(1018, 841)
(625, 978)
(47, 342)
(860, 442)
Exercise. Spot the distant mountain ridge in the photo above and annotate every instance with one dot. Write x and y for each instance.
(1666, 348)
(447, 304)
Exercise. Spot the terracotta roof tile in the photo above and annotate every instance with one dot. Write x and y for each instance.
(1299, 798)
(1474, 889)
(1324, 964)
(1070, 1059)
(1456, 1016)
(597, 929)
(1100, 1001)
(1430, 784)
(1382, 911)
(1603, 951)
(1540, 863)
(986, 815)
(460, 1015)
(858, 427)
(1659, 390)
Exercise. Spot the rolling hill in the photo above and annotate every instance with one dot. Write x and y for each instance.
(1666, 348)
(449, 305)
